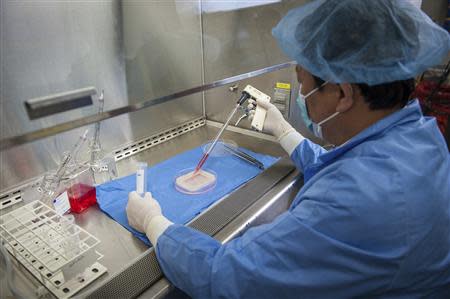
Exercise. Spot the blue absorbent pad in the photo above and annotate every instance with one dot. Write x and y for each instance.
(180, 208)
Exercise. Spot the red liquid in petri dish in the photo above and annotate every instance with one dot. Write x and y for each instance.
(81, 197)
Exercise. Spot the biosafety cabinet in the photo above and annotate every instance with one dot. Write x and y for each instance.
(96, 87)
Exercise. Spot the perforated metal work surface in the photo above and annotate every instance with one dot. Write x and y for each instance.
(151, 141)
(137, 277)
(145, 270)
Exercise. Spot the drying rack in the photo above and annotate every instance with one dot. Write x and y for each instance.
(56, 251)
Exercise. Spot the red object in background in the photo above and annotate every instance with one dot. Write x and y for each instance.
(81, 197)
(438, 106)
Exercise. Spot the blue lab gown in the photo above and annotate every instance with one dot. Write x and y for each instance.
(372, 220)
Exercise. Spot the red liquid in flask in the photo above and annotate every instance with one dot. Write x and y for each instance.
(81, 197)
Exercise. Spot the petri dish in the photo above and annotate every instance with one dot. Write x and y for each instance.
(220, 150)
(203, 181)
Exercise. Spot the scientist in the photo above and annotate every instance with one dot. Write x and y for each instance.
(373, 217)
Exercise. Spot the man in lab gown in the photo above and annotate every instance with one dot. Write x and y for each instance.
(373, 216)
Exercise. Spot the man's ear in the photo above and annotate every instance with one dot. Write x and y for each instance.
(346, 100)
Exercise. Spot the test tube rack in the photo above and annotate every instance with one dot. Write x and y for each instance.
(60, 255)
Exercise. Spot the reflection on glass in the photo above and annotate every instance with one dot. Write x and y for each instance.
(215, 6)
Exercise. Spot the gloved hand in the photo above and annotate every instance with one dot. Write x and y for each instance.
(274, 124)
(141, 210)
(144, 215)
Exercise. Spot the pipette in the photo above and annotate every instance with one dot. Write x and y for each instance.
(244, 156)
(51, 182)
(68, 156)
(245, 95)
(95, 145)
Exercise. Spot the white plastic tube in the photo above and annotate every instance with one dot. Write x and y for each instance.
(141, 178)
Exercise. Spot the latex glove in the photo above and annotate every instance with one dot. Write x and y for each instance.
(144, 215)
(276, 125)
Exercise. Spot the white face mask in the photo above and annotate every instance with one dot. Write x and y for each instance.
(316, 128)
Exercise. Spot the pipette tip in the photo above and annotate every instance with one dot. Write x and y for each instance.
(200, 164)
